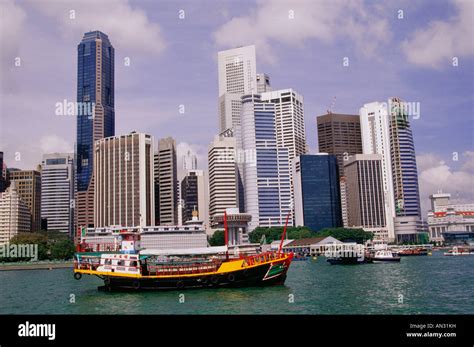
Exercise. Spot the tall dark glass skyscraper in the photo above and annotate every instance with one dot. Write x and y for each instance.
(96, 116)
(317, 195)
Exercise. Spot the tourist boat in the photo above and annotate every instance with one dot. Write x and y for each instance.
(133, 268)
(459, 251)
(412, 252)
(385, 255)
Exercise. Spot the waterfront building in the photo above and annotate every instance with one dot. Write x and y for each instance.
(339, 135)
(365, 195)
(317, 200)
(95, 88)
(3, 180)
(166, 181)
(57, 192)
(263, 83)
(312, 246)
(15, 216)
(124, 181)
(342, 187)
(236, 76)
(237, 225)
(449, 220)
(28, 185)
(155, 237)
(264, 171)
(222, 174)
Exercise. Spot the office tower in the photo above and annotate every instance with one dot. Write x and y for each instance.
(188, 161)
(3, 180)
(57, 191)
(375, 131)
(263, 83)
(15, 216)
(194, 197)
(28, 185)
(289, 120)
(342, 187)
(316, 187)
(124, 184)
(404, 170)
(237, 76)
(156, 181)
(365, 195)
(95, 91)
(386, 130)
(339, 134)
(222, 174)
(167, 182)
(264, 169)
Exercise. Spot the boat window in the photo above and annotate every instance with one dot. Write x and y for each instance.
(108, 262)
(120, 263)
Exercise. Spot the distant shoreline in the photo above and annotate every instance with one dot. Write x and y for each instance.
(36, 266)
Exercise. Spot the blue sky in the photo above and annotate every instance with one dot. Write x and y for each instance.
(300, 44)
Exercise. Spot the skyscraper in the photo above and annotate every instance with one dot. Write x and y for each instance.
(264, 169)
(15, 216)
(237, 76)
(375, 130)
(57, 191)
(263, 83)
(167, 182)
(316, 186)
(2, 178)
(193, 194)
(28, 185)
(222, 174)
(124, 186)
(386, 130)
(365, 196)
(289, 120)
(339, 134)
(95, 91)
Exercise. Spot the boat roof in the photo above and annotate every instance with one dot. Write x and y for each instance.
(185, 251)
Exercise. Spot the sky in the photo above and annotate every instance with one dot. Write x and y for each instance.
(421, 51)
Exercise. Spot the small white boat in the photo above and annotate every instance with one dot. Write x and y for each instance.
(459, 251)
(384, 256)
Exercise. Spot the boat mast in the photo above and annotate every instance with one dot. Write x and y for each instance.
(284, 233)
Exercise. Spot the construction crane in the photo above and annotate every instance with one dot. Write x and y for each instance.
(331, 107)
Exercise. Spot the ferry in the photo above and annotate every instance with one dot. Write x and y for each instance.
(133, 268)
(459, 251)
(412, 252)
(383, 256)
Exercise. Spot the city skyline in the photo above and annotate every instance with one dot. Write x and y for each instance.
(154, 109)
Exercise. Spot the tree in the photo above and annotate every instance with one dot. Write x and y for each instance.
(33, 238)
(274, 233)
(217, 239)
(62, 249)
(347, 235)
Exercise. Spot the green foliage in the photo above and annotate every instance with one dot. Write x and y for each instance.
(217, 239)
(347, 235)
(273, 234)
(51, 245)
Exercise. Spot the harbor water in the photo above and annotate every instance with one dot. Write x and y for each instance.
(417, 285)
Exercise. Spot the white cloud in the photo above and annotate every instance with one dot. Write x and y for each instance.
(129, 28)
(54, 143)
(294, 22)
(436, 175)
(199, 151)
(440, 41)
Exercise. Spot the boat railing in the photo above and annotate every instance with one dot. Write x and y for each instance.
(260, 258)
(183, 269)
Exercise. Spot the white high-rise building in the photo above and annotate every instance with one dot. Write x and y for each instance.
(167, 182)
(265, 169)
(124, 184)
(222, 175)
(57, 191)
(237, 76)
(289, 120)
(375, 131)
(263, 83)
(15, 215)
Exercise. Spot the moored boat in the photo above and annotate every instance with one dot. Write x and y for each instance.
(383, 256)
(132, 268)
(412, 252)
(459, 251)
